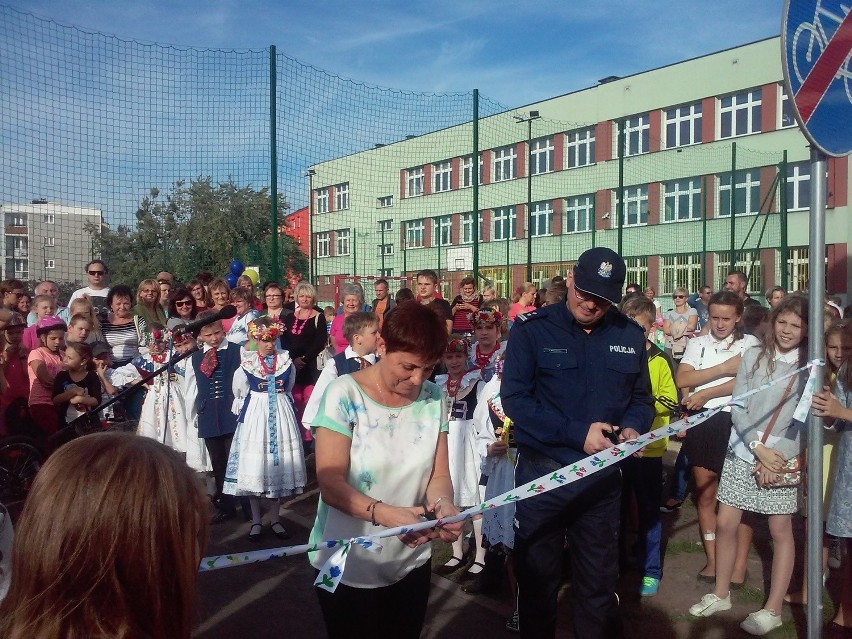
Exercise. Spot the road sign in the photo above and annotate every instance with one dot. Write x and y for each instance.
(816, 41)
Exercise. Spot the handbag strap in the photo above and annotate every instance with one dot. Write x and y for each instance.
(777, 411)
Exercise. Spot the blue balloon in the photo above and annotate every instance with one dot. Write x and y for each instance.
(231, 279)
(237, 269)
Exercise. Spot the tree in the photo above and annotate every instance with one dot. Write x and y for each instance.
(199, 226)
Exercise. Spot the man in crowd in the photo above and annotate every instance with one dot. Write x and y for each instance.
(51, 289)
(736, 282)
(575, 380)
(427, 293)
(383, 303)
(698, 301)
(97, 290)
(12, 291)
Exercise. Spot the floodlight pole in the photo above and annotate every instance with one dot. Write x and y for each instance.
(273, 162)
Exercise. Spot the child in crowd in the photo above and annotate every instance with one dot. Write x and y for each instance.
(79, 329)
(43, 306)
(361, 330)
(242, 299)
(209, 399)
(764, 439)
(643, 476)
(461, 389)
(266, 458)
(76, 389)
(328, 311)
(113, 380)
(44, 364)
(83, 306)
(488, 347)
(496, 442)
(163, 411)
(14, 381)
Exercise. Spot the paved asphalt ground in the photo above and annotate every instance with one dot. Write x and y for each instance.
(276, 599)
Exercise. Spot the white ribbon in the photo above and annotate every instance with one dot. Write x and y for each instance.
(804, 405)
(332, 571)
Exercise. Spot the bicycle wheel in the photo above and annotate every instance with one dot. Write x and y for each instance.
(20, 461)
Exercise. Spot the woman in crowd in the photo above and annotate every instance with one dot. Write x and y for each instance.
(148, 303)
(237, 327)
(381, 460)
(108, 544)
(182, 305)
(120, 330)
(678, 323)
(273, 296)
(220, 294)
(523, 301)
(353, 300)
(468, 301)
(244, 282)
(774, 295)
(304, 337)
(166, 288)
(200, 295)
(24, 303)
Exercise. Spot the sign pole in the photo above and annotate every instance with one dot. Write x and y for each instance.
(816, 349)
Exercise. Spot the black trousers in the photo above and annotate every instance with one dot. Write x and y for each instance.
(219, 448)
(398, 610)
(587, 513)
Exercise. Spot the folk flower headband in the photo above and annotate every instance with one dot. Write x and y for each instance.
(458, 345)
(485, 316)
(264, 332)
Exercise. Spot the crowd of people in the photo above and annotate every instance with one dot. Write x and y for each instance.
(417, 406)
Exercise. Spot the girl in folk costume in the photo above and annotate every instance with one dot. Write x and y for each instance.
(461, 389)
(163, 415)
(496, 443)
(266, 458)
(486, 331)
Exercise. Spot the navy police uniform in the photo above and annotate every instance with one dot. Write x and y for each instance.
(558, 379)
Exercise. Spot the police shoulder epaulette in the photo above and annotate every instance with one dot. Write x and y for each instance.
(526, 317)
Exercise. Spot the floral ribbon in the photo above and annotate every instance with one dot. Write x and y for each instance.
(332, 571)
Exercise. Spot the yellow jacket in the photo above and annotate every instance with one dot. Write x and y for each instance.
(662, 385)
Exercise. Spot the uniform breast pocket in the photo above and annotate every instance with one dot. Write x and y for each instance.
(557, 360)
(622, 365)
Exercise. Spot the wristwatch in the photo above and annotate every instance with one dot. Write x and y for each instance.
(754, 444)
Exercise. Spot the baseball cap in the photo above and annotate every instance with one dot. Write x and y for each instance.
(600, 271)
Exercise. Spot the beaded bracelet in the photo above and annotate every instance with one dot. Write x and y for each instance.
(372, 510)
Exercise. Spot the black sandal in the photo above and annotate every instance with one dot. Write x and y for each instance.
(255, 536)
(279, 532)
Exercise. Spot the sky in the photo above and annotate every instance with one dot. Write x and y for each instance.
(514, 51)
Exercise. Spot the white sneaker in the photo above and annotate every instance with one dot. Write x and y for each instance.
(761, 622)
(710, 604)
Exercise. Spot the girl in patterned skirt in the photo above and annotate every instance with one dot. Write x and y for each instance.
(266, 458)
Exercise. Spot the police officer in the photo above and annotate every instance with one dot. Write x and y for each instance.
(575, 378)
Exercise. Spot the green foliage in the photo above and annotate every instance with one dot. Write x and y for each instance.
(199, 226)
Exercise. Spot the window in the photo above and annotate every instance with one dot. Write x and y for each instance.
(798, 186)
(467, 228)
(637, 271)
(499, 279)
(385, 272)
(16, 219)
(683, 125)
(321, 205)
(50, 241)
(748, 262)
(637, 133)
(467, 171)
(49, 218)
(442, 174)
(49, 264)
(505, 224)
(680, 271)
(739, 114)
(341, 242)
(635, 205)
(323, 244)
(386, 201)
(385, 249)
(746, 193)
(341, 196)
(786, 118)
(798, 268)
(414, 182)
(414, 234)
(541, 156)
(580, 213)
(541, 219)
(442, 235)
(682, 200)
(505, 163)
(581, 147)
(386, 225)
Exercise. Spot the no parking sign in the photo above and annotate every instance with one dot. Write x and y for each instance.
(817, 40)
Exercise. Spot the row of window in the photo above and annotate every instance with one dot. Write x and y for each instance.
(20, 219)
(682, 200)
(736, 115)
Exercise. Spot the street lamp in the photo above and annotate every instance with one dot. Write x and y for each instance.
(533, 115)
(311, 270)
